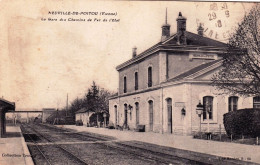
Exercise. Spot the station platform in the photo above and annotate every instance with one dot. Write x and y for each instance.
(250, 153)
(13, 149)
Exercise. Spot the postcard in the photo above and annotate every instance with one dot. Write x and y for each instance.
(129, 82)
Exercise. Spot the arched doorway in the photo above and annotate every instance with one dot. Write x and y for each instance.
(150, 115)
(169, 115)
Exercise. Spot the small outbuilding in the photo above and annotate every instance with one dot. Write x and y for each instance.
(46, 112)
(5, 106)
(83, 114)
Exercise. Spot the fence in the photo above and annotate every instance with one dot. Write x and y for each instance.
(221, 135)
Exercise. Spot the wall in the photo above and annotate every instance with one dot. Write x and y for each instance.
(142, 69)
(78, 117)
(220, 107)
(179, 122)
(142, 99)
(187, 96)
(84, 117)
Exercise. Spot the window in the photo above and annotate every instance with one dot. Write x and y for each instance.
(136, 80)
(208, 107)
(232, 103)
(150, 79)
(256, 102)
(125, 85)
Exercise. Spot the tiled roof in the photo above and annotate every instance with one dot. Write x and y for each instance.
(139, 56)
(193, 41)
(82, 110)
(193, 70)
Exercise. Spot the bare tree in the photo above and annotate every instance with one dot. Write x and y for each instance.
(240, 73)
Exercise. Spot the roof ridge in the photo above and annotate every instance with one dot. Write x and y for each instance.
(196, 41)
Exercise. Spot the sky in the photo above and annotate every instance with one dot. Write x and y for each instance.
(43, 60)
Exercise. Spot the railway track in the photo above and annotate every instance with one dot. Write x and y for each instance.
(92, 148)
(81, 135)
(158, 157)
(161, 158)
(37, 147)
(142, 153)
(74, 159)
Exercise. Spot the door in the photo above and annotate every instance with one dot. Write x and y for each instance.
(125, 114)
(151, 115)
(169, 109)
(137, 113)
(115, 115)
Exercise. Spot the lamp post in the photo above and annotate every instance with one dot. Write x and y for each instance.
(199, 110)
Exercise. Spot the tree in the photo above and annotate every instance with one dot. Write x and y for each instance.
(240, 73)
(95, 100)
(76, 105)
(91, 101)
(103, 100)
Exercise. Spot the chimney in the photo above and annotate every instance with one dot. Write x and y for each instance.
(165, 29)
(200, 30)
(134, 51)
(181, 28)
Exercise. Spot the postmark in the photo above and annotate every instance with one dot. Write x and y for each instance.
(219, 19)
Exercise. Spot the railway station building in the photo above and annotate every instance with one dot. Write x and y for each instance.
(162, 86)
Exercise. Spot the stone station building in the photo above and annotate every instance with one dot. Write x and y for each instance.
(161, 87)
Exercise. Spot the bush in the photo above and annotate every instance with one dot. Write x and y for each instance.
(244, 122)
(79, 123)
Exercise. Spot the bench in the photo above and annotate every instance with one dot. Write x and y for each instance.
(140, 128)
